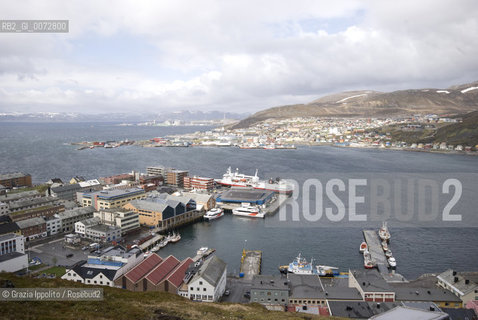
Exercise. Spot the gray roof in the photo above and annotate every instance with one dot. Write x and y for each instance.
(91, 221)
(401, 312)
(212, 270)
(89, 272)
(32, 202)
(30, 222)
(450, 275)
(8, 227)
(371, 281)
(148, 205)
(11, 255)
(405, 292)
(359, 309)
(76, 212)
(8, 236)
(305, 286)
(12, 175)
(66, 187)
(267, 282)
(19, 195)
(103, 228)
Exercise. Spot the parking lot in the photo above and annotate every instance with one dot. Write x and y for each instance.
(48, 252)
(237, 288)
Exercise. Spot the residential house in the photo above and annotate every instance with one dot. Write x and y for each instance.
(104, 268)
(16, 179)
(371, 286)
(209, 282)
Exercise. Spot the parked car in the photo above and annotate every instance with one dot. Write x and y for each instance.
(227, 292)
(69, 255)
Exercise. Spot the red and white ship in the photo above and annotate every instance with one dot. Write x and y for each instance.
(236, 179)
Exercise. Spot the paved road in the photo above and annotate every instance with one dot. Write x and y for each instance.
(237, 288)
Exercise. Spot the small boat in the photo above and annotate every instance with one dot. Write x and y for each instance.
(363, 247)
(214, 213)
(384, 245)
(175, 237)
(155, 248)
(327, 271)
(368, 262)
(202, 251)
(392, 262)
(388, 253)
(248, 211)
(163, 242)
(383, 232)
(283, 269)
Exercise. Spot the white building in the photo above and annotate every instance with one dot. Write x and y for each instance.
(53, 225)
(104, 268)
(209, 283)
(126, 220)
(4, 209)
(12, 253)
(81, 226)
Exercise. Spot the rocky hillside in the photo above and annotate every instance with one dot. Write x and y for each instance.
(454, 100)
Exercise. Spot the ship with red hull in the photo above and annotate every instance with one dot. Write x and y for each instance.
(240, 180)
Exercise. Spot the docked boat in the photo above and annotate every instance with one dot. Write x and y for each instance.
(392, 262)
(327, 271)
(383, 232)
(202, 251)
(236, 179)
(363, 247)
(175, 237)
(368, 262)
(248, 211)
(300, 266)
(284, 269)
(163, 243)
(214, 213)
(155, 248)
(388, 253)
(384, 245)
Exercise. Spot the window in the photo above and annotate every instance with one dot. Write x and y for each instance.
(204, 289)
(200, 283)
(198, 289)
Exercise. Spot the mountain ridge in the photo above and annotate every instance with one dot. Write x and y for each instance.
(456, 99)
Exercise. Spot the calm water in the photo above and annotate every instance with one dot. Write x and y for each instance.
(42, 151)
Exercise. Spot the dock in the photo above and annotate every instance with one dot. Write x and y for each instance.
(204, 255)
(149, 244)
(251, 263)
(375, 249)
(270, 208)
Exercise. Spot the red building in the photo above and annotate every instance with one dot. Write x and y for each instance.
(200, 183)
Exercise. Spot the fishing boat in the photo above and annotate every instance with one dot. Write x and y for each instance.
(363, 247)
(384, 245)
(214, 213)
(175, 237)
(368, 262)
(383, 232)
(392, 262)
(300, 266)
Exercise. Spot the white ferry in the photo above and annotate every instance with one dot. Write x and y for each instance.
(248, 211)
(214, 213)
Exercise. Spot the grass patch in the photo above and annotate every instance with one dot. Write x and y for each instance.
(36, 267)
(59, 271)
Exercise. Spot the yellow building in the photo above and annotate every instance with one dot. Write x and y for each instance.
(110, 198)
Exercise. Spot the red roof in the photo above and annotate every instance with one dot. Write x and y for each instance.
(176, 277)
(162, 270)
(144, 267)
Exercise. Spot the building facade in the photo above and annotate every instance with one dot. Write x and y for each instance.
(32, 228)
(110, 198)
(68, 218)
(16, 179)
(209, 283)
(126, 220)
(198, 183)
(12, 253)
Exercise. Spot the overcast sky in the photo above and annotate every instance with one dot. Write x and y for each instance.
(238, 56)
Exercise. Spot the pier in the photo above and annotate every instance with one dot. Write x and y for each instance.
(251, 263)
(204, 255)
(376, 250)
